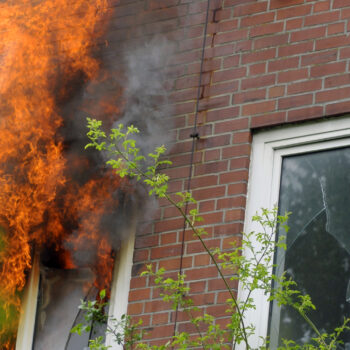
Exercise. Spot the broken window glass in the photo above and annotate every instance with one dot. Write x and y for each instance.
(60, 294)
(315, 188)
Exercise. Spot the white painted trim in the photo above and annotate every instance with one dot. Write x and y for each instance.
(28, 312)
(268, 148)
(121, 282)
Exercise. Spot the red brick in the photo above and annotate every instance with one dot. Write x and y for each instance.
(340, 3)
(197, 246)
(212, 154)
(203, 299)
(295, 49)
(273, 40)
(250, 8)
(213, 167)
(138, 282)
(258, 108)
(160, 331)
(239, 188)
(333, 95)
(296, 11)
(345, 53)
(197, 287)
(308, 34)
(242, 137)
(201, 260)
(233, 176)
(249, 96)
(335, 28)
(234, 215)
(328, 43)
(215, 102)
(294, 101)
(294, 23)
(256, 82)
(218, 284)
(293, 75)
(212, 218)
(226, 26)
(206, 193)
(201, 273)
(141, 255)
(234, 35)
(228, 229)
(174, 264)
(337, 81)
(234, 151)
(231, 125)
(221, 114)
(257, 69)
(345, 14)
(304, 86)
(319, 57)
(135, 308)
(321, 18)
(264, 29)
(203, 130)
(160, 318)
(166, 251)
(231, 61)
(219, 51)
(212, 142)
(231, 202)
(229, 74)
(283, 64)
(254, 20)
(257, 56)
(321, 6)
(328, 69)
(146, 241)
(276, 91)
(204, 181)
(338, 107)
(305, 113)
(238, 163)
(168, 238)
(268, 120)
(275, 4)
(206, 206)
(139, 294)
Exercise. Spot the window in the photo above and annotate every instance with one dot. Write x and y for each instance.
(305, 169)
(40, 325)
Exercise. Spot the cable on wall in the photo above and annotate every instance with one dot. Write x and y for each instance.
(195, 137)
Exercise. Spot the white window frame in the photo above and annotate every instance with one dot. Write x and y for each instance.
(119, 292)
(268, 149)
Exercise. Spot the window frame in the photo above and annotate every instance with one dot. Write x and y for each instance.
(268, 149)
(119, 292)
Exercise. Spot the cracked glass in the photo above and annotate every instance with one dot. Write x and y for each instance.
(315, 189)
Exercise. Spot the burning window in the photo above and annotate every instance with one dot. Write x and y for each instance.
(52, 296)
(56, 200)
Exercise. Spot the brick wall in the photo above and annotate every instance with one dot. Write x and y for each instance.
(266, 63)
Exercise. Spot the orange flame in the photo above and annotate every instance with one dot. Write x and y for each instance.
(42, 42)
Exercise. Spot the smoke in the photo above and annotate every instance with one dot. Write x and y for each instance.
(128, 90)
(146, 98)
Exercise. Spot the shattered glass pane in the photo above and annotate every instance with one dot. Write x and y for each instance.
(61, 292)
(315, 188)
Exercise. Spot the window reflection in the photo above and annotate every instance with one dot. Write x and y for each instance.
(314, 187)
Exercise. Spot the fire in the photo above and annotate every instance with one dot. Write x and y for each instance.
(45, 45)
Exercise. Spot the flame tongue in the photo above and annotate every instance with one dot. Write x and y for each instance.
(44, 44)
